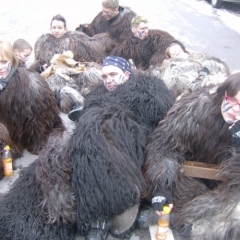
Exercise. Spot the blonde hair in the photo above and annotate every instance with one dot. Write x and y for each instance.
(137, 20)
(21, 44)
(111, 4)
(6, 51)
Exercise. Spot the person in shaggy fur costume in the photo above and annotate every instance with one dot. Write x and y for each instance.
(144, 46)
(107, 148)
(28, 108)
(113, 19)
(84, 48)
(40, 204)
(184, 71)
(202, 126)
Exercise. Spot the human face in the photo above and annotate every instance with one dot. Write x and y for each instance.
(24, 55)
(57, 28)
(108, 13)
(5, 67)
(231, 108)
(113, 76)
(176, 51)
(141, 31)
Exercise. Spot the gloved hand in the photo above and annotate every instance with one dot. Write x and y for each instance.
(160, 199)
(204, 71)
(235, 129)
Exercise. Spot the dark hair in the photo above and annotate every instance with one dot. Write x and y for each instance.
(167, 54)
(59, 17)
(21, 44)
(231, 85)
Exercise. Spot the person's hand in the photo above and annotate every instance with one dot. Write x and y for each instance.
(43, 67)
(235, 129)
(159, 200)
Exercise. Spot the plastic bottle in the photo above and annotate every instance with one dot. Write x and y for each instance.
(7, 161)
(163, 224)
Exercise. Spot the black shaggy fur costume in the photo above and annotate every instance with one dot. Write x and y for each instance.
(117, 27)
(146, 52)
(84, 48)
(107, 153)
(107, 146)
(29, 112)
(39, 205)
(194, 129)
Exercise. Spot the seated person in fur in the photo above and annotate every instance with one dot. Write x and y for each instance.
(113, 19)
(22, 49)
(184, 71)
(201, 126)
(144, 46)
(61, 40)
(28, 108)
(116, 119)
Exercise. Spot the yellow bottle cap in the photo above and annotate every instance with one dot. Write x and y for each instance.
(166, 209)
(7, 147)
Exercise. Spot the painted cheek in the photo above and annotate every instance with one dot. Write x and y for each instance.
(119, 79)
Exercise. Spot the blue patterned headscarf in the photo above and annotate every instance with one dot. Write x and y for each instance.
(117, 62)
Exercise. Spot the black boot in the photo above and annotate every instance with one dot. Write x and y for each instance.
(146, 217)
(99, 229)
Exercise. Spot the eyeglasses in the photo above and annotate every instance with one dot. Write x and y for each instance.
(231, 100)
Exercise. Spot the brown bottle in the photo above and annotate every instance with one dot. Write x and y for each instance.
(7, 161)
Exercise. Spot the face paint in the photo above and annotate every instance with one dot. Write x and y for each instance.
(140, 33)
(5, 67)
(226, 106)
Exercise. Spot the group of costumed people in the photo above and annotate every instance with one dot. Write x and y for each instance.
(134, 129)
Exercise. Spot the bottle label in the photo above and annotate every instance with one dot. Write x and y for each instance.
(8, 170)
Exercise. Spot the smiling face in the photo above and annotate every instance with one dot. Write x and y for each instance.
(230, 108)
(113, 76)
(57, 28)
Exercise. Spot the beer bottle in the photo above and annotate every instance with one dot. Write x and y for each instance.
(7, 161)
(163, 224)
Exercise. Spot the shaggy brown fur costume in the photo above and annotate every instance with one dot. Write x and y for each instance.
(146, 52)
(182, 75)
(194, 129)
(84, 48)
(28, 109)
(218, 218)
(118, 27)
(40, 204)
